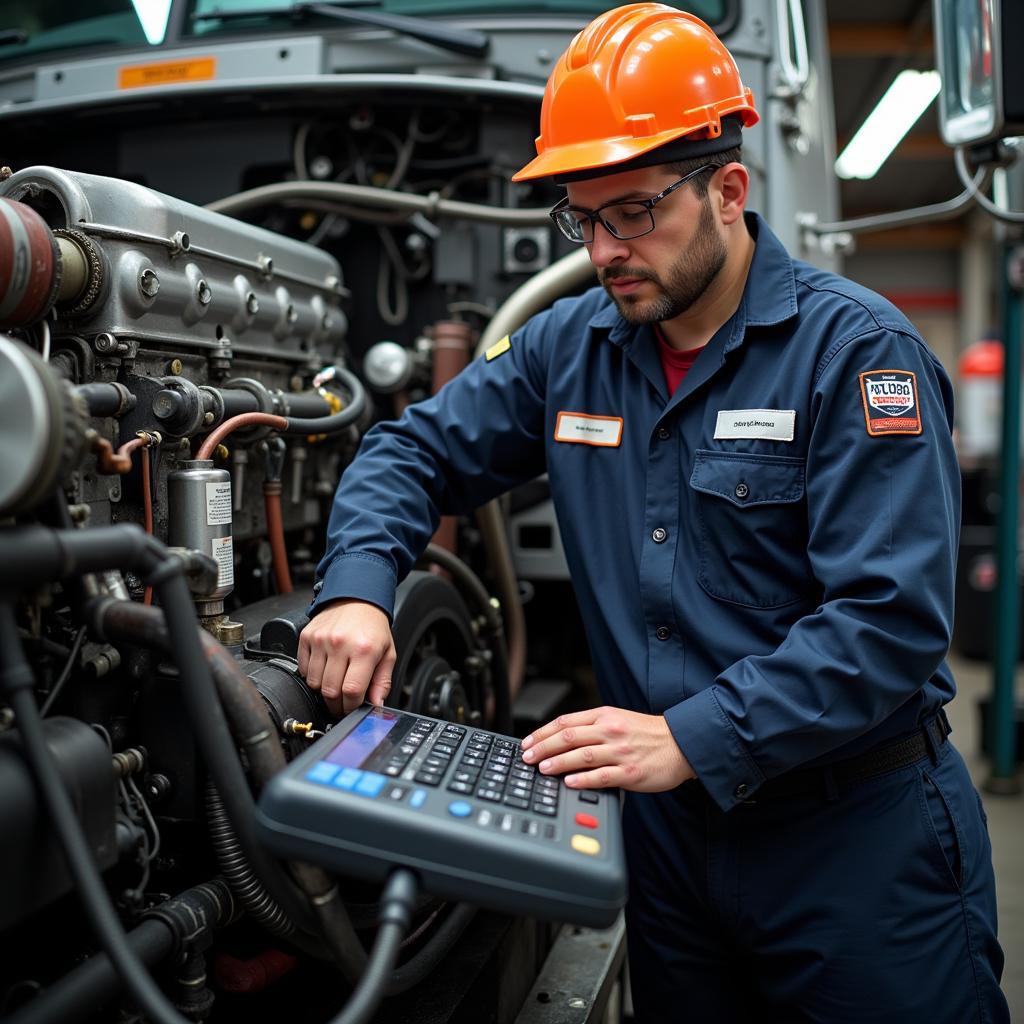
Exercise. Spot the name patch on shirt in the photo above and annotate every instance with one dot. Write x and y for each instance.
(771, 424)
(583, 428)
(890, 402)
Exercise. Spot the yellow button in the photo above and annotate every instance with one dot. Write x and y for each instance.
(586, 844)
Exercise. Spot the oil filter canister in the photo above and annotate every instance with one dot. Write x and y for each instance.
(199, 517)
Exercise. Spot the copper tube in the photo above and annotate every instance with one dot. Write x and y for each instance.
(453, 341)
(275, 534)
(120, 461)
(245, 419)
(147, 510)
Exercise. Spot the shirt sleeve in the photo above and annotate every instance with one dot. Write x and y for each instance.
(480, 435)
(883, 507)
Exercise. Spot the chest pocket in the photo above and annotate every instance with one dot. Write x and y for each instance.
(752, 528)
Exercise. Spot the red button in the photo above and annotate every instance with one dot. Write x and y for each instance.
(586, 820)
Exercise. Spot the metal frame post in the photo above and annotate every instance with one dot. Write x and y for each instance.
(1003, 777)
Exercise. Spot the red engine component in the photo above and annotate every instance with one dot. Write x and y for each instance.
(29, 265)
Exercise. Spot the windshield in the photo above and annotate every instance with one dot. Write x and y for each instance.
(714, 12)
(31, 27)
(28, 27)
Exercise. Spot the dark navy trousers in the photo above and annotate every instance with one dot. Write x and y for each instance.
(870, 903)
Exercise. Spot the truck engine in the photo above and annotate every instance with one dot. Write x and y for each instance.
(184, 389)
(221, 261)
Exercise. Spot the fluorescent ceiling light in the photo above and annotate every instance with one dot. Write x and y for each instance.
(897, 112)
(153, 15)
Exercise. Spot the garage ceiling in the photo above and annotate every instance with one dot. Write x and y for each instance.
(871, 41)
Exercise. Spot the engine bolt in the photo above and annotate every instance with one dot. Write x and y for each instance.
(203, 293)
(158, 787)
(149, 283)
(174, 367)
(252, 304)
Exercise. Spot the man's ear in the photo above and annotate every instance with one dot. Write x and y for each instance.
(729, 187)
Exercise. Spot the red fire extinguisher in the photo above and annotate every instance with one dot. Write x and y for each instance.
(980, 401)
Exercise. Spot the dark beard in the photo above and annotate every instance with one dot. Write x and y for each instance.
(687, 279)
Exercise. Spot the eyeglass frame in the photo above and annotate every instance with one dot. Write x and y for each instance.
(594, 216)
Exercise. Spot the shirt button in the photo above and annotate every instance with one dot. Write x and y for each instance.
(741, 791)
(663, 632)
(742, 490)
(659, 535)
(664, 433)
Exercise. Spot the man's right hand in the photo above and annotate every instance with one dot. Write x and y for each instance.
(347, 653)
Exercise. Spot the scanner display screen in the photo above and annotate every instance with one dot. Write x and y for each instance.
(371, 742)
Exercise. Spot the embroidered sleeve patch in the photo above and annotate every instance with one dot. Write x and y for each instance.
(890, 402)
(498, 348)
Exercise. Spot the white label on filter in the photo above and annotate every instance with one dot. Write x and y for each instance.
(224, 555)
(218, 503)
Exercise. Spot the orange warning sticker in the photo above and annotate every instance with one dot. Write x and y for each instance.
(167, 72)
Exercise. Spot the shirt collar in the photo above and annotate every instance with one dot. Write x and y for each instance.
(769, 294)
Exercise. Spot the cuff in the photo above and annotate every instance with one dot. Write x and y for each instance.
(711, 745)
(359, 576)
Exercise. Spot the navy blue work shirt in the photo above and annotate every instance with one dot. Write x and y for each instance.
(765, 557)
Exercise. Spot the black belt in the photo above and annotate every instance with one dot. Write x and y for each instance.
(827, 780)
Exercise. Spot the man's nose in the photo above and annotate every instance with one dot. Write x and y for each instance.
(606, 249)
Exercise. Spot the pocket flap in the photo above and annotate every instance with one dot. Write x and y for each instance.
(748, 479)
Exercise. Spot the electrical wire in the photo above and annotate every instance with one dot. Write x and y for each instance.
(971, 186)
(391, 277)
(65, 674)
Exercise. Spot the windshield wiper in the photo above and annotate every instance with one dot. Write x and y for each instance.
(464, 41)
(12, 36)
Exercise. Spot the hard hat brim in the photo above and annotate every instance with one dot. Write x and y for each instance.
(593, 158)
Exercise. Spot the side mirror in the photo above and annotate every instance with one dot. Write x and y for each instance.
(977, 45)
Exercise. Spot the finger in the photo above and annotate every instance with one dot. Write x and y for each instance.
(606, 777)
(333, 677)
(304, 651)
(577, 718)
(380, 684)
(315, 667)
(567, 738)
(357, 678)
(580, 759)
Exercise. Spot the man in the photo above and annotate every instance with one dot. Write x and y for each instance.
(759, 501)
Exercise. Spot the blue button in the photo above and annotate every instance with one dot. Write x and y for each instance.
(347, 778)
(322, 771)
(417, 798)
(370, 784)
(460, 809)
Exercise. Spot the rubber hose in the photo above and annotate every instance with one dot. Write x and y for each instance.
(340, 420)
(240, 877)
(16, 679)
(396, 906)
(81, 993)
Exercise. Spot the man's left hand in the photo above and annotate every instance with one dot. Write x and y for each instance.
(607, 747)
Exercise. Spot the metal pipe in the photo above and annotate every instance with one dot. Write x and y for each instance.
(432, 206)
(1003, 778)
(536, 294)
(111, 399)
(453, 341)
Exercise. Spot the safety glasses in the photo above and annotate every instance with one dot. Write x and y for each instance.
(622, 220)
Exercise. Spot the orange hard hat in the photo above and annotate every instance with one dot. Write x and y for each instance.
(634, 79)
